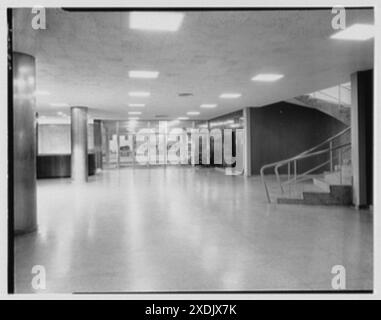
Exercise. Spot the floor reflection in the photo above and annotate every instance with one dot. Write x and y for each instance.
(184, 228)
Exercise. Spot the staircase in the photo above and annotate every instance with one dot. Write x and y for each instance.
(332, 188)
(334, 101)
(340, 112)
(311, 187)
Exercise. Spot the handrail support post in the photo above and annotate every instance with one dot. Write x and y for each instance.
(330, 156)
(306, 154)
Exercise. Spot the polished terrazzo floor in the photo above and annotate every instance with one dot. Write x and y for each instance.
(187, 229)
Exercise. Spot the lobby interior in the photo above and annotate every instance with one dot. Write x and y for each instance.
(192, 150)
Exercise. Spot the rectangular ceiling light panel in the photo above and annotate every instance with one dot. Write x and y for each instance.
(139, 94)
(141, 74)
(267, 77)
(356, 32)
(208, 105)
(230, 95)
(193, 113)
(156, 21)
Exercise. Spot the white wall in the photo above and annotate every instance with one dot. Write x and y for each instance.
(55, 138)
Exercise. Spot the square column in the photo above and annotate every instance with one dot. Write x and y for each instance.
(362, 137)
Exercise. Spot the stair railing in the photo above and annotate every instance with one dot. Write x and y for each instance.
(312, 152)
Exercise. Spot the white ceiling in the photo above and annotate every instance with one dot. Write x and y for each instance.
(84, 59)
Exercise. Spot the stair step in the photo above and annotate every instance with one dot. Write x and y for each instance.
(290, 201)
(337, 178)
(314, 195)
(342, 193)
(317, 201)
(322, 184)
(310, 201)
(338, 195)
(319, 198)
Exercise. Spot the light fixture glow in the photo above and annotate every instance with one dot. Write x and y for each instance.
(156, 21)
(356, 32)
(139, 94)
(183, 118)
(221, 123)
(134, 112)
(208, 105)
(230, 95)
(133, 118)
(143, 74)
(267, 77)
(193, 113)
(140, 105)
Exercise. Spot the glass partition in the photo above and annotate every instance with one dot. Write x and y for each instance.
(169, 142)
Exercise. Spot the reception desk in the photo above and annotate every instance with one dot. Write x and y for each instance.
(58, 165)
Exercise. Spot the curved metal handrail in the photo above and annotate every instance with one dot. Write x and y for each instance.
(305, 154)
(303, 176)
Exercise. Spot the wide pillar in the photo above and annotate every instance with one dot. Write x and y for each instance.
(24, 143)
(247, 147)
(98, 145)
(362, 137)
(79, 160)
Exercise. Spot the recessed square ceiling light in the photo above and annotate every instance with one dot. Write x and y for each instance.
(134, 112)
(136, 105)
(139, 94)
(357, 32)
(143, 74)
(208, 105)
(267, 77)
(230, 95)
(156, 21)
(193, 113)
(183, 118)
